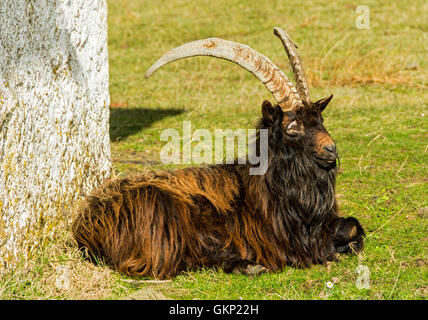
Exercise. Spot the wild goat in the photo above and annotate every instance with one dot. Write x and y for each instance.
(162, 223)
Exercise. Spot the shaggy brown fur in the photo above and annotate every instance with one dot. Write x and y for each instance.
(160, 224)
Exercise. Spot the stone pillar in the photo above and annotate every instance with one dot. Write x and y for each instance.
(54, 115)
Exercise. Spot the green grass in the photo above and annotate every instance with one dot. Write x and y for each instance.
(378, 119)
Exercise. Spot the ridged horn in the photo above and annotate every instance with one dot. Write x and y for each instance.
(299, 73)
(265, 70)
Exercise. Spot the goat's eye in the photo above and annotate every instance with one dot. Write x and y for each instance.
(293, 128)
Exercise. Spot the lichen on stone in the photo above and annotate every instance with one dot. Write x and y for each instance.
(53, 93)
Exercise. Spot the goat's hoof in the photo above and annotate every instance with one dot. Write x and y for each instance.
(349, 237)
(255, 269)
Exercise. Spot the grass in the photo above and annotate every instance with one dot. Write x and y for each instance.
(378, 119)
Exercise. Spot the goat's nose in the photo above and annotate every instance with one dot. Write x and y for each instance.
(330, 148)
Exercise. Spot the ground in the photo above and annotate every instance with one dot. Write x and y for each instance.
(378, 118)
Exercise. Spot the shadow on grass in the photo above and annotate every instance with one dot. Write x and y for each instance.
(125, 122)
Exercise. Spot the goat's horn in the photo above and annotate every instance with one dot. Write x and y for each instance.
(274, 79)
(299, 73)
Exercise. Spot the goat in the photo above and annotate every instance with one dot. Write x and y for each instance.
(162, 223)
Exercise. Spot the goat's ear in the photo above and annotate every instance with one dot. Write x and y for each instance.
(322, 103)
(268, 111)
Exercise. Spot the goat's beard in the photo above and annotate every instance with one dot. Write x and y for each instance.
(326, 164)
(302, 205)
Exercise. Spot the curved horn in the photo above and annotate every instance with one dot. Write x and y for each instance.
(299, 73)
(274, 79)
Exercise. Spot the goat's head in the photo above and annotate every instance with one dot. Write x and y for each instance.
(300, 128)
(301, 118)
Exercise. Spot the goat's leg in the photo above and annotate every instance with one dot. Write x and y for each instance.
(231, 262)
(247, 267)
(348, 236)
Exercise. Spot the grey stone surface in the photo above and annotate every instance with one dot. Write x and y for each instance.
(54, 131)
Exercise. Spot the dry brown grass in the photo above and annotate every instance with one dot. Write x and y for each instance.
(41, 278)
(370, 68)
